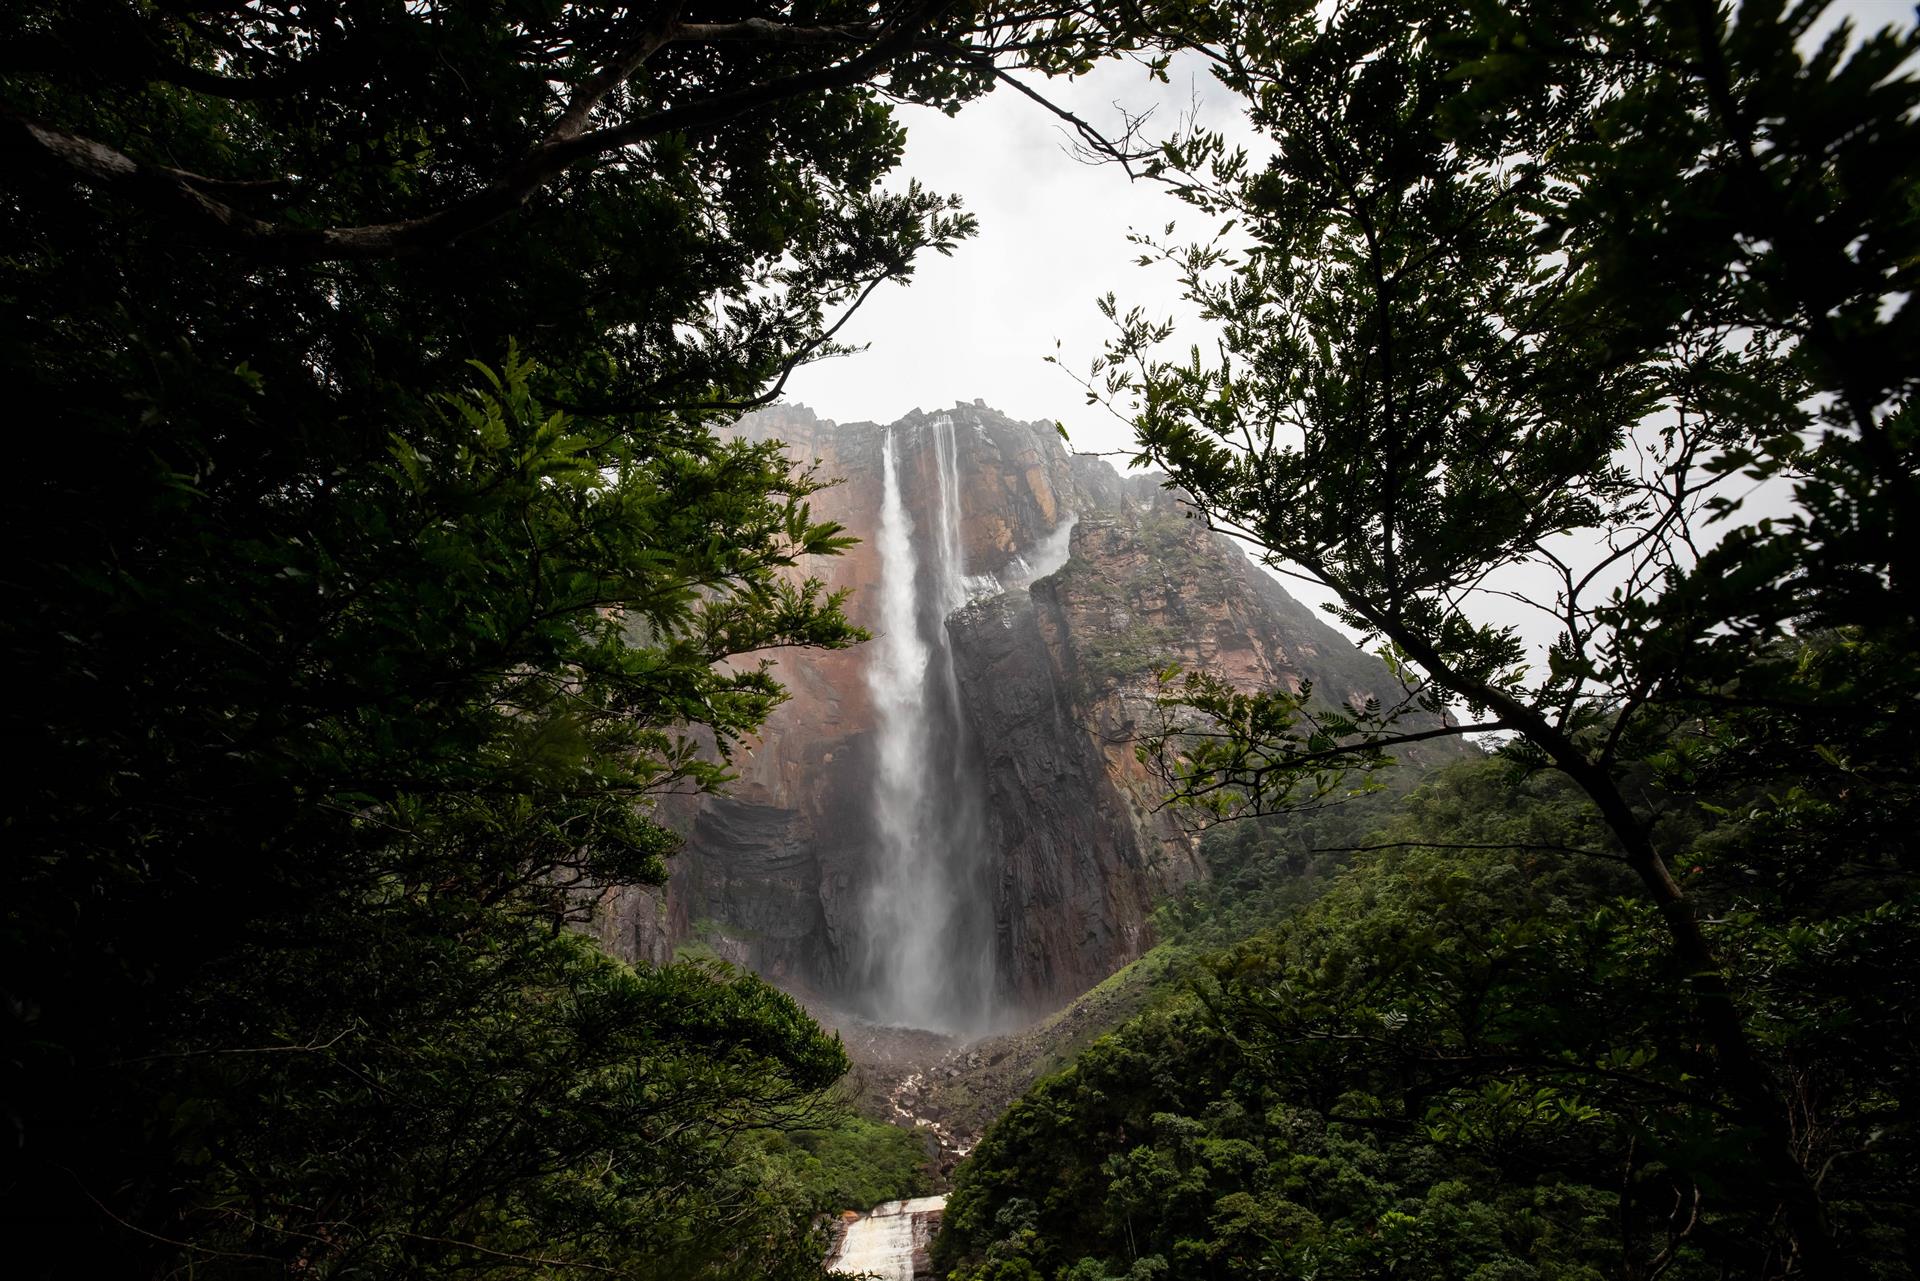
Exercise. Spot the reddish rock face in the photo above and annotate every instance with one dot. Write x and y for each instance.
(1054, 676)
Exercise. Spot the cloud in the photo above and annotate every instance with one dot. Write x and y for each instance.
(1053, 238)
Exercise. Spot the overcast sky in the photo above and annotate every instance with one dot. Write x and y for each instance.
(1053, 239)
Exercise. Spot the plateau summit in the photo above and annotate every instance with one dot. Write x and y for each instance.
(948, 827)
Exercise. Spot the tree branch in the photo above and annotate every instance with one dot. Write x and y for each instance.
(180, 195)
(1468, 845)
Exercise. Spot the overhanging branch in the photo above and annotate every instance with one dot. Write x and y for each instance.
(183, 196)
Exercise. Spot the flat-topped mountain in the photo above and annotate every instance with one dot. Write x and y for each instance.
(947, 827)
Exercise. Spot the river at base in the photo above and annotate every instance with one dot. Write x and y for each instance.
(890, 1241)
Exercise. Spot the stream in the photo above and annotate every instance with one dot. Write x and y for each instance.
(904, 1099)
(892, 1240)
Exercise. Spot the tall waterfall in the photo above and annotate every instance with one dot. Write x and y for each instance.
(928, 951)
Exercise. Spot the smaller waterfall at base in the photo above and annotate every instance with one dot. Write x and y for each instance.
(891, 1241)
(927, 955)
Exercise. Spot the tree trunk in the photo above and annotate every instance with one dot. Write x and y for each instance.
(1756, 1097)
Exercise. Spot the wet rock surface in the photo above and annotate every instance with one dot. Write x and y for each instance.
(1055, 675)
(891, 1242)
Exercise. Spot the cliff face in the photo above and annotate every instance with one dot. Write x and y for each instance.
(1052, 665)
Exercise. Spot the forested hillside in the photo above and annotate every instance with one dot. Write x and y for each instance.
(1472, 1056)
(1569, 349)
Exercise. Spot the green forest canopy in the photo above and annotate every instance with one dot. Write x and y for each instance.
(373, 559)
(1473, 1056)
(1503, 283)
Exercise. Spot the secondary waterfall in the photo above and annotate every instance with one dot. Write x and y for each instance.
(928, 950)
(890, 1241)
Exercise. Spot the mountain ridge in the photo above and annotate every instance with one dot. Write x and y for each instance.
(1053, 674)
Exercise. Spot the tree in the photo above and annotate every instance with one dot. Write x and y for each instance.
(375, 562)
(1524, 280)
(1470, 1057)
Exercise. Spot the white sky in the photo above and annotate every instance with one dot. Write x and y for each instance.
(1053, 239)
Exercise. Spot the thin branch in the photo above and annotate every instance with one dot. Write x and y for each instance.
(1095, 142)
(763, 29)
(1468, 845)
(155, 1236)
(311, 1048)
(507, 1254)
(179, 193)
(800, 357)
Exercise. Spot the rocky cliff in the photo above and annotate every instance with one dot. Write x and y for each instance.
(1078, 584)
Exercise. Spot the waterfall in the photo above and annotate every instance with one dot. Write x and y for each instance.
(1048, 556)
(952, 577)
(888, 1240)
(928, 951)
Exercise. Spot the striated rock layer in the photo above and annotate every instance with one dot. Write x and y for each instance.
(1054, 665)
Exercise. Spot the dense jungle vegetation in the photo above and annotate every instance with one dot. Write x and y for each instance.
(1472, 1056)
(374, 560)
(1532, 309)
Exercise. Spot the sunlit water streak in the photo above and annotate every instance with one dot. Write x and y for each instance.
(929, 925)
(883, 1242)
